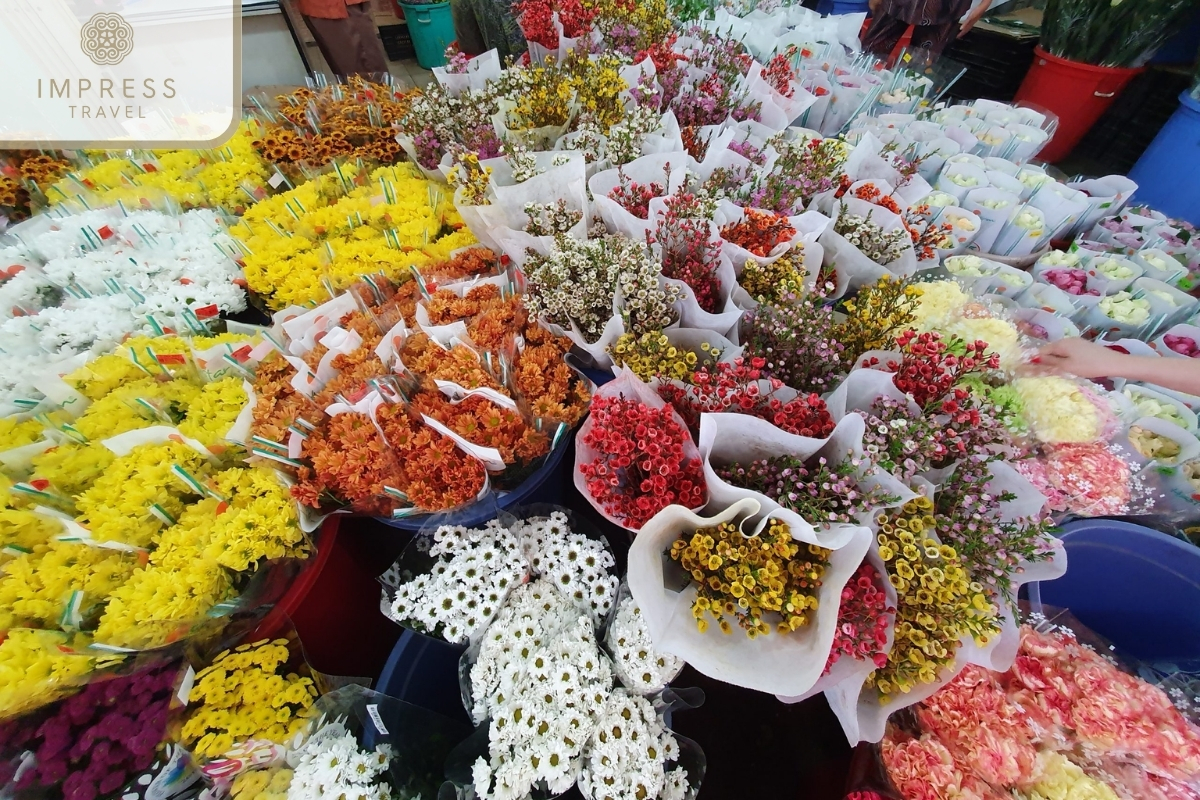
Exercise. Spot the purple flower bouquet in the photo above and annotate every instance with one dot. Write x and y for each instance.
(91, 744)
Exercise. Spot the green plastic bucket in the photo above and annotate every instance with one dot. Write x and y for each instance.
(431, 26)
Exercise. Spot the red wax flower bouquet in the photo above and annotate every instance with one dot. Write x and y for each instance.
(635, 197)
(740, 387)
(863, 620)
(635, 458)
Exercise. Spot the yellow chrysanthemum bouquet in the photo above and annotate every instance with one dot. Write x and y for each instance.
(323, 235)
(232, 177)
(254, 692)
(140, 524)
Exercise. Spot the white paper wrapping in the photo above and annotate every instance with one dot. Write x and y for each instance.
(782, 664)
(728, 438)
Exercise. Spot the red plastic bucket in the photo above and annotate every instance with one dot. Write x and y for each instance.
(1078, 93)
(334, 601)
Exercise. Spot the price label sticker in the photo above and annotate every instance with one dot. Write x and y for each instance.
(373, 712)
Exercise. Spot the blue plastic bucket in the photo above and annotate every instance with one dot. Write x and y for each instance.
(838, 7)
(1168, 173)
(424, 671)
(431, 26)
(1181, 48)
(1132, 585)
(546, 485)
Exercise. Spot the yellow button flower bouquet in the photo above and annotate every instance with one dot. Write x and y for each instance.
(254, 692)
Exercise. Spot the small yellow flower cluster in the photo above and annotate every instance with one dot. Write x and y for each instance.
(100, 376)
(1063, 780)
(36, 587)
(752, 576)
(15, 433)
(877, 314)
(472, 177)
(71, 468)
(212, 413)
(245, 695)
(138, 404)
(191, 178)
(304, 240)
(117, 507)
(195, 561)
(598, 85)
(771, 283)
(262, 784)
(21, 530)
(937, 605)
(38, 667)
(544, 97)
(650, 19)
(652, 354)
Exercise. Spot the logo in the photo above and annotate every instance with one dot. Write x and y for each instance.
(106, 39)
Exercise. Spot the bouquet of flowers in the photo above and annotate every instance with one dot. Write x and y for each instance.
(788, 617)
(332, 230)
(594, 291)
(472, 571)
(316, 124)
(635, 456)
(93, 743)
(254, 692)
(230, 178)
(545, 690)
(991, 733)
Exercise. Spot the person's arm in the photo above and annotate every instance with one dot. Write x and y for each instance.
(973, 16)
(1090, 360)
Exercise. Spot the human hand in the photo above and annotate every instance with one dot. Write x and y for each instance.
(1081, 357)
(974, 16)
(875, 5)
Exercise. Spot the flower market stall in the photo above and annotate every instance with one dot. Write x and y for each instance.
(680, 353)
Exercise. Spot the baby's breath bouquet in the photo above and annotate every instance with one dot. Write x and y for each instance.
(1110, 33)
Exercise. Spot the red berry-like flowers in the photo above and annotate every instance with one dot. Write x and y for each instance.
(640, 467)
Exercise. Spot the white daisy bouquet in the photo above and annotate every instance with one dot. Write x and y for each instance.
(466, 574)
(638, 665)
(629, 753)
(540, 679)
(332, 764)
(544, 690)
(451, 582)
(357, 745)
